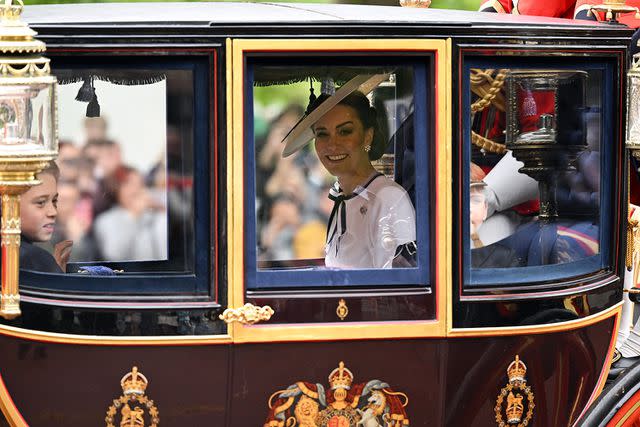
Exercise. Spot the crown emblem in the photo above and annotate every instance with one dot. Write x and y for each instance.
(519, 405)
(516, 371)
(134, 382)
(340, 377)
(133, 408)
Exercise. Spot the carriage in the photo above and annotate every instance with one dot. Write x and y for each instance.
(218, 308)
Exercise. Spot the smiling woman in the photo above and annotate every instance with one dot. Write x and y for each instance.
(372, 216)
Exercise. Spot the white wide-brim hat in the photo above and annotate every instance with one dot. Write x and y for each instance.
(301, 134)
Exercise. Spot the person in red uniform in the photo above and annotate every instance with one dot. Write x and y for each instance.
(557, 8)
(582, 10)
(576, 9)
(570, 9)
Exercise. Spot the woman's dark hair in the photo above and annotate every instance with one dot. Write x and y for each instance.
(367, 115)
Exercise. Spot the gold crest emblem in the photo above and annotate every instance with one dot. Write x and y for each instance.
(131, 407)
(342, 311)
(519, 398)
(345, 404)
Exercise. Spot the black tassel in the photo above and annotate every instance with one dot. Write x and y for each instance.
(86, 92)
(93, 108)
(312, 97)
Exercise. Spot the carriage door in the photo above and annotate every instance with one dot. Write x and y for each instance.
(292, 278)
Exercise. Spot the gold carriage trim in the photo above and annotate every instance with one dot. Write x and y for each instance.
(515, 392)
(248, 314)
(133, 405)
(633, 236)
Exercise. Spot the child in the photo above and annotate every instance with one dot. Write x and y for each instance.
(38, 212)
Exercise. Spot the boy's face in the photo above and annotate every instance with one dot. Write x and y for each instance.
(38, 209)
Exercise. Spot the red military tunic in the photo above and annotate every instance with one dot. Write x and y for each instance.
(557, 8)
(570, 9)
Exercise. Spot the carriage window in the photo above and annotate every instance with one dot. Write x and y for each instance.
(534, 177)
(334, 160)
(125, 181)
(123, 187)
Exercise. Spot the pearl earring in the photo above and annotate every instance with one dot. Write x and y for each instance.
(367, 148)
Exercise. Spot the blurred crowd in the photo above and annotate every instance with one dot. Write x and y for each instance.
(292, 204)
(111, 211)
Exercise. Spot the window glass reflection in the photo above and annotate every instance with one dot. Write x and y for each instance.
(534, 182)
(334, 173)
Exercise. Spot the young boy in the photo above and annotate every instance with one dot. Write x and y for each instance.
(38, 212)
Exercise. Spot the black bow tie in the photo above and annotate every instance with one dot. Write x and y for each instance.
(339, 208)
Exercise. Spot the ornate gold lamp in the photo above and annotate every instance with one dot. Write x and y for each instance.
(28, 135)
(546, 129)
(633, 106)
(633, 144)
(612, 8)
(415, 3)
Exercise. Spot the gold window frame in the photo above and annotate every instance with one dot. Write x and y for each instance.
(441, 274)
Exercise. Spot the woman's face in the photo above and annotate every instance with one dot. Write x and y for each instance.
(340, 141)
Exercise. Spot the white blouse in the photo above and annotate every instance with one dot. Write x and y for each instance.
(366, 227)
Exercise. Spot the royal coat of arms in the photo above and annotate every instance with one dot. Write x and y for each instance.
(304, 404)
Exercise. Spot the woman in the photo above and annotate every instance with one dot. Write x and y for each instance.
(372, 224)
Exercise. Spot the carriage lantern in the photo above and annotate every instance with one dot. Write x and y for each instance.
(546, 128)
(28, 135)
(633, 106)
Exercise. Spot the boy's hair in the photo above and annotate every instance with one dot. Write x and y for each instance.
(51, 169)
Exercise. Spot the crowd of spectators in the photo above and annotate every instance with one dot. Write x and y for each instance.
(110, 210)
(292, 201)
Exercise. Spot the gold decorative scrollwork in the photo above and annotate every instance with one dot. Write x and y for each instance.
(633, 235)
(415, 3)
(248, 314)
(25, 68)
(131, 406)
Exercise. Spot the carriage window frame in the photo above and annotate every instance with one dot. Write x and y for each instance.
(534, 277)
(424, 79)
(154, 283)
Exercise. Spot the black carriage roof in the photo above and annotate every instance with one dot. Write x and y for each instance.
(210, 14)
